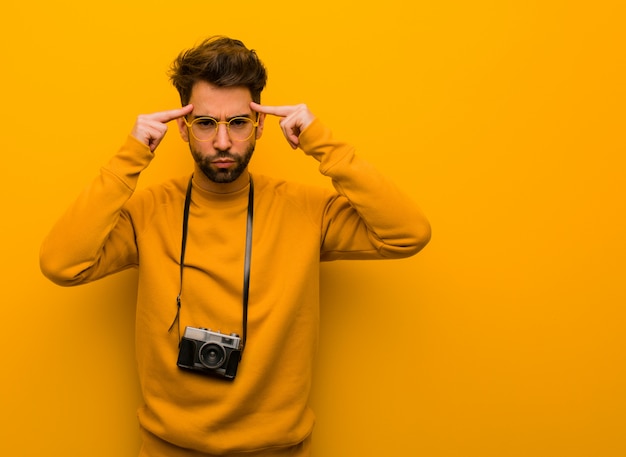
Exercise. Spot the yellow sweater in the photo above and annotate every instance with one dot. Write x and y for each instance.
(111, 227)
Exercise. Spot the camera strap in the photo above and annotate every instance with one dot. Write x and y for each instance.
(246, 265)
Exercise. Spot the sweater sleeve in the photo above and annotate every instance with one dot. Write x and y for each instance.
(370, 217)
(95, 236)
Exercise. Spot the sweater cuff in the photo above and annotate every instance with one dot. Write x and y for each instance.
(317, 141)
(131, 159)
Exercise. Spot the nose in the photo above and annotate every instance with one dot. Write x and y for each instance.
(221, 140)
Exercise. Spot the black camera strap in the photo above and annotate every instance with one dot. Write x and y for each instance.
(246, 265)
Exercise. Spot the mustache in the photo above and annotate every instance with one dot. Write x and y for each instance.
(224, 155)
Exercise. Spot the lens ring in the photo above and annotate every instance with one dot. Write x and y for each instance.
(212, 355)
(204, 128)
(240, 132)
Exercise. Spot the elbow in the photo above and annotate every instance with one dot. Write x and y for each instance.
(53, 274)
(415, 239)
(416, 231)
(422, 237)
(52, 269)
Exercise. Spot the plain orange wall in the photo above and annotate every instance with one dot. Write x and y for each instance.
(504, 119)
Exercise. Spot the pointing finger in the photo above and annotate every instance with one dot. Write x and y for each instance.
(281, 111)
(170, 115)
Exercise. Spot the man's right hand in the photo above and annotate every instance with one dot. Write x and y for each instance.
(151, 128)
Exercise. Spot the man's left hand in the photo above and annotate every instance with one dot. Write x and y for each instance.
(295, 119)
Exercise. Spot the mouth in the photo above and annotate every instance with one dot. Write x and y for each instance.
(223, 163)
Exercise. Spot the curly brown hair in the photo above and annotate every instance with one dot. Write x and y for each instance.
(218, 60)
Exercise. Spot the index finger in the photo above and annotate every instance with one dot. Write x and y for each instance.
(282, 111)
(170, 115)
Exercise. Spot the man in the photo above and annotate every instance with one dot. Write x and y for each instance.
(228, 250)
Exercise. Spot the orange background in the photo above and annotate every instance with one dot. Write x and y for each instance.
(504, 119)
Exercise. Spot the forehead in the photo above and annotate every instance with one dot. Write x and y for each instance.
(208, 99)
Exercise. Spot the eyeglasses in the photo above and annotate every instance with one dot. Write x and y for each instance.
(239, 128)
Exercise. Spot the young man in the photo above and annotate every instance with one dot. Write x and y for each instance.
(224, 249)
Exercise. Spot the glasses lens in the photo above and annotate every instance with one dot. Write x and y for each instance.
(204, 128)
(239, 128)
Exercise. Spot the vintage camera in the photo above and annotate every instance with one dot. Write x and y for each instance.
(210, 352)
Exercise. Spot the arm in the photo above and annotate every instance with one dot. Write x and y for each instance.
(370, 218)
(95, 236)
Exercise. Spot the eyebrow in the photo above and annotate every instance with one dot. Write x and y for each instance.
(247, 115)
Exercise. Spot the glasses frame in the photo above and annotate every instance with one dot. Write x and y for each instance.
(255, 124)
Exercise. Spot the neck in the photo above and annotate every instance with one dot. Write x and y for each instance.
(221, 188)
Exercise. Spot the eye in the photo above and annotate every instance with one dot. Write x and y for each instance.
(205, 123)
(239, 122)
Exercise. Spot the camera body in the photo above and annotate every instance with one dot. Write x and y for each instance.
(210, 352)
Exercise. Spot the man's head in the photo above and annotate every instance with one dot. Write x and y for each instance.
(222, 62)
(220, 78)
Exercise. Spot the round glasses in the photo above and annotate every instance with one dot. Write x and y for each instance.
(205, 128)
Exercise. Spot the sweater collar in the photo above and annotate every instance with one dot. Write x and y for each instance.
(217, 198)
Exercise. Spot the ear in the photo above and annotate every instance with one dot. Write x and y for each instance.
(259, 129)
(182, 129)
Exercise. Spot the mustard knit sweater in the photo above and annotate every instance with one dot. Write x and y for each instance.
(112, 227)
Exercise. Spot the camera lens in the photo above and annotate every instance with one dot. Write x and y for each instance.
(212, 355)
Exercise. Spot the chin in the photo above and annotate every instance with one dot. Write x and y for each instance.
(222, 176)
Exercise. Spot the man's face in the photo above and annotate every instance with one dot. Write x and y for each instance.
(220, 159)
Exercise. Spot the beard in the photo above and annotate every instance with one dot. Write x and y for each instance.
(223, 175)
